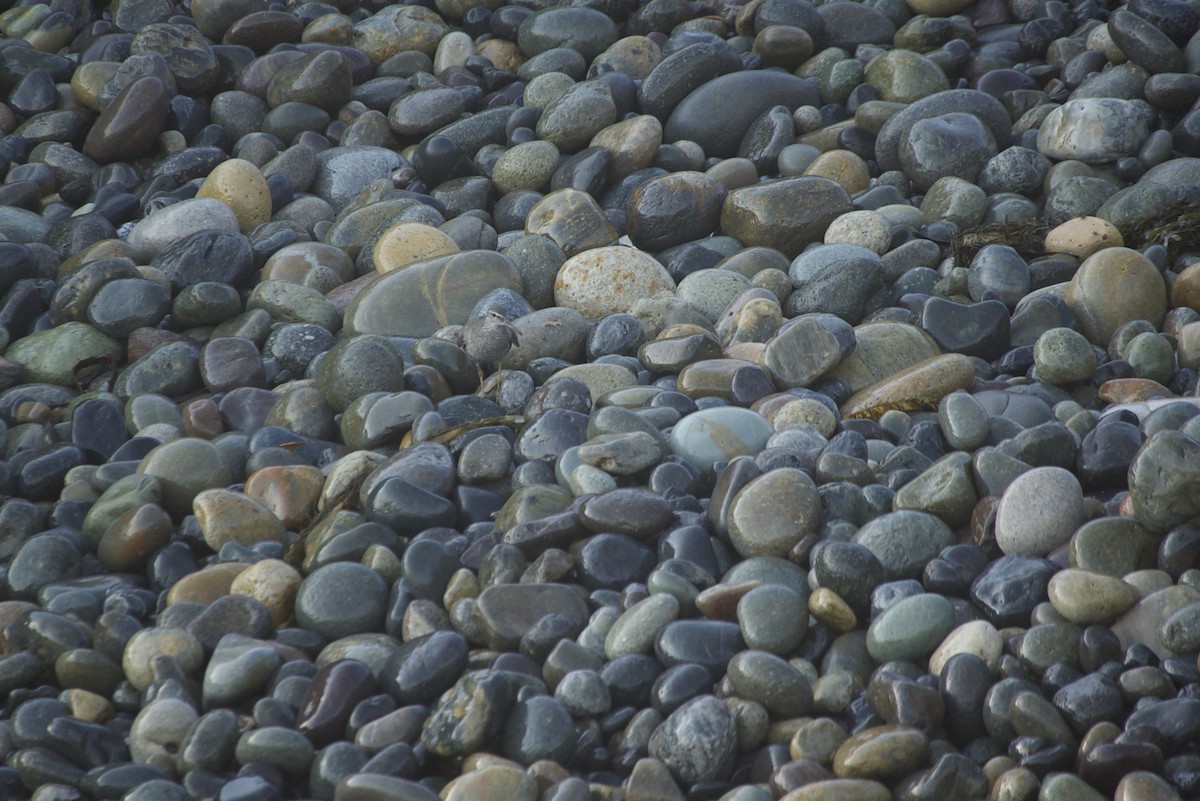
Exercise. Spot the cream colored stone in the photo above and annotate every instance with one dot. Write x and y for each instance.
(273, 583)
(1083, 236)
(977, 637)
(228, 516)
(607, 280)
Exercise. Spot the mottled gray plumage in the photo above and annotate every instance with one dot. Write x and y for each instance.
(489, 338)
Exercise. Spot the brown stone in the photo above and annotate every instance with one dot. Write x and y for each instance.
(129, 126)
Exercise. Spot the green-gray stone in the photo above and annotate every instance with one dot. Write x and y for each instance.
(171, 369)
(50, 356)
(946, 489)
(131, 492)
(429, 295)
(905, 541)
(910, 629)
(1113, 546)
(768, 679)
(773, 618)
(287, 302)
(358, 365)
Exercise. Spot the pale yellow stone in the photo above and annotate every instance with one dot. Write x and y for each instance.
(828, 607)
(239, 185)
(271, 582)
(409, 242)
(1083, 236)
(977, 637)
(841, 167)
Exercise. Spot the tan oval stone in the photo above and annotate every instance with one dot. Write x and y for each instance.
(1144, 786)
(503, 54)
(407, 243)
(606, 280)
(493, 783)
(842, 167)
(271, 582)
(1186, 289)
(881, 753)
(1085, 598)
(829, 608)
(1112, 287)
(600, 379)
(207, 584)
(1083, 236)
(633, 143)
(634, 56)
(228, 516)
(239, 185)
(977, 637)
(289, 492)
(841, 790)
(918, 387)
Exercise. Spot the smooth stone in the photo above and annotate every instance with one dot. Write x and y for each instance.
(506, 611)
(341, 599)
(1039, 512)
(1093, 130)
(743, 97)
(1112, 274)
(720, 434)
(904, 541)
(49, 356)
(920, 386)
(787, 214)
(1085, 598)
(428, 295)
(238, 184)
(225, 516)
(1162, 481)
(608, 280)
(882, 753)
(910, 629)
(156, 232)
(757, 521)
(184, 468)
(130, 124)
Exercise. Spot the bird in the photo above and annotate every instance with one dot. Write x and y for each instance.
(487, 339)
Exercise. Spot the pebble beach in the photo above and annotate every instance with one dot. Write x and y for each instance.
(606, 400)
